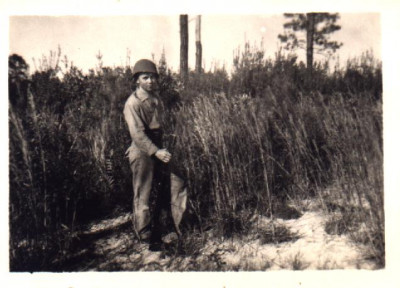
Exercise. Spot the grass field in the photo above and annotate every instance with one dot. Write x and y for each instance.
(252, 144)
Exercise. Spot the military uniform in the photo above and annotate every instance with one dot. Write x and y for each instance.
(149, 174)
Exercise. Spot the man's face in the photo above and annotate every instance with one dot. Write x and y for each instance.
(147, 82)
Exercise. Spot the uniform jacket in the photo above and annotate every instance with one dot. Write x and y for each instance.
(142, 115)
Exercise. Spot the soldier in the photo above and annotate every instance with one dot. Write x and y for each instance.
(148, 159)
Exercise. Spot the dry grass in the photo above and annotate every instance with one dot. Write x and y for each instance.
(246, 167)
(295, 262)
(276, 233)
(240, 155)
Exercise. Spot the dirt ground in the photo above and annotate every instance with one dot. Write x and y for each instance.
(109, 245)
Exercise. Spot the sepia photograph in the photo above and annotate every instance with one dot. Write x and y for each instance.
(196, 142)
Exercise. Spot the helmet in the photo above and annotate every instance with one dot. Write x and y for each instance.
(144, 66)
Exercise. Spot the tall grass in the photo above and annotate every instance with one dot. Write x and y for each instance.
(242, 155)
(64, 160)
(244, 144)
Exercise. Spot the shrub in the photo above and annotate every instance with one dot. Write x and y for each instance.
(241, 143)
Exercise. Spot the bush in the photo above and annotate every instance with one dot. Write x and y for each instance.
(264, 135)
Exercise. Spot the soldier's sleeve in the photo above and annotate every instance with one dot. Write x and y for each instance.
(137, 128)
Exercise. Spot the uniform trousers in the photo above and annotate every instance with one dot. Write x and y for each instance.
(155, 189)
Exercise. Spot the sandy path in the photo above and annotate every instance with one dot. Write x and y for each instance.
(111, 247)
(315, 249)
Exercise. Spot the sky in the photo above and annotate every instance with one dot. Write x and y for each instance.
(144, 36)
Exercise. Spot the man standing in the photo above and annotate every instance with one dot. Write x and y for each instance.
(148, 159)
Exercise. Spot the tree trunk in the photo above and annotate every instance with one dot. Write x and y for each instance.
(184, 69)
(310, 41)
(198, 44)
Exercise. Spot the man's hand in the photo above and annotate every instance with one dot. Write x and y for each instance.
(163, 155)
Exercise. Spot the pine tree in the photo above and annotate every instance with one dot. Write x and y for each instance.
(317, 27)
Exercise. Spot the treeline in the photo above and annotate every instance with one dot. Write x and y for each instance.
(263, 135)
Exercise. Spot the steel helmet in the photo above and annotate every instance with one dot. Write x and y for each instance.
(144, 66)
